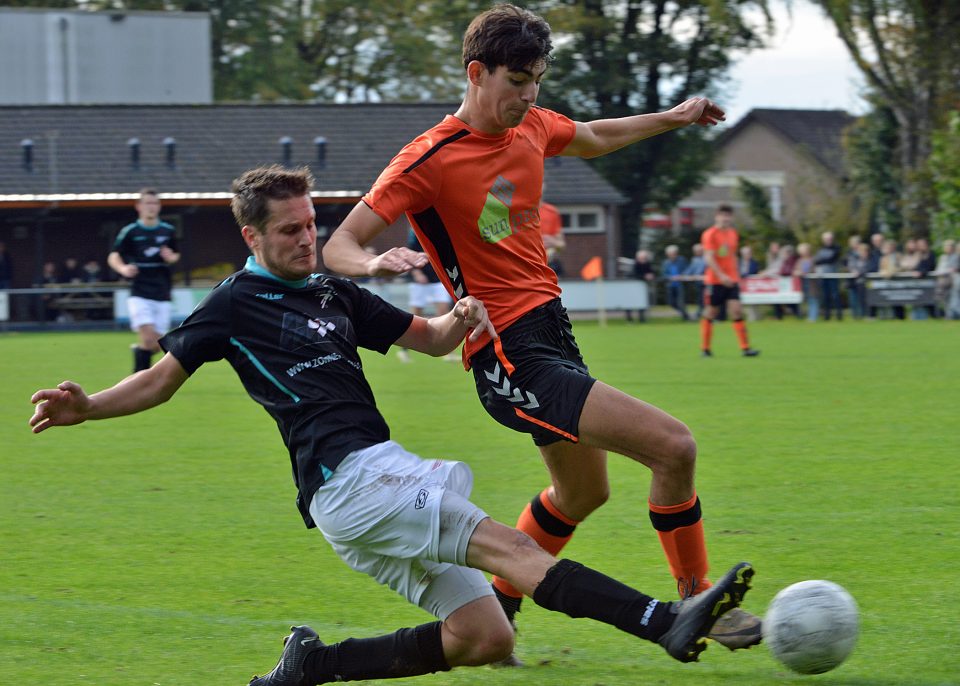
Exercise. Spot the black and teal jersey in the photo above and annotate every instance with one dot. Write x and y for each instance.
(140, 245)
(294, 347)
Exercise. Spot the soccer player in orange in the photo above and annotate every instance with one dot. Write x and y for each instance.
(722, 281)
(471, 188)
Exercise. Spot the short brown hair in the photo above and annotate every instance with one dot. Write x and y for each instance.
(255, 187)
(148, 191)
(725, 208)
(506, 35)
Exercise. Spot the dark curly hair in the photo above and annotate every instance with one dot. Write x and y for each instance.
(506, 35)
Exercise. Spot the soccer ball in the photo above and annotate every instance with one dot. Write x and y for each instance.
(811, 626)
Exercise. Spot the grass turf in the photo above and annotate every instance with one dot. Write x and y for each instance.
(164, 548)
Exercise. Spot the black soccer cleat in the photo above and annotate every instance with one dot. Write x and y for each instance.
(706, 353)
(695, 616)
(301, 642)
(750, 352)
(737, 630)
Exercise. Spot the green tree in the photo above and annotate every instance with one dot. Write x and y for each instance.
(945, 168)
(909, 53)
(764, 227)
(616, 58)
(870, 146)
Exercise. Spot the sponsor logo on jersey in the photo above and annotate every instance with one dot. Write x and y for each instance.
(421, 501)
(496, 221)
(270, 296)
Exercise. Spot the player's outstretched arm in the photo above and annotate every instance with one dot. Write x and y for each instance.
(440, 335)
(68, 403)
(345, 253)
(603, 136)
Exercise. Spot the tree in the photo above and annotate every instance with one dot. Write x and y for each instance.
(945, 168)
(870, 147)
(909, 53)
(616, 58)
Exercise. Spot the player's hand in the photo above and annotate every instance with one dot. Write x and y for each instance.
(395, 261)
(474, 315)
(129, 271)
(65, 405)
(167, 253)
(701, 111)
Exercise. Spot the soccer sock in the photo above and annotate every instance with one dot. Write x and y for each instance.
(706, 333)
(141, 359)
(740, 327)
(680, 529)
(579, 591)
(544, 523)
(405, 652)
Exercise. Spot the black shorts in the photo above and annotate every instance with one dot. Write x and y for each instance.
(716, 294)
(533, 379)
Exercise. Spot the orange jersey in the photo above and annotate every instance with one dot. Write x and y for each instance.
(724, 244)
(550, 222)
(473, 199)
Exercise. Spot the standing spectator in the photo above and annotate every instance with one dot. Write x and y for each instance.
(722, 281)
(858, 264)
(143, 252)
(673, 268)
(787, 262)
(827, 261)
(907, 261)
(551, 228)
(643, 271)
(852, 254)
(92, 272)
(925, 264)
(71, 271)
(771, 264)
(49, 277)
(747, 265)
(873, 267)
(890, 264)
(6, 268)
(695, 272)
(811, 287)
(948, 279)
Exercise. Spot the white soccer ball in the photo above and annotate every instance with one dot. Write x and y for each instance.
(811, 626)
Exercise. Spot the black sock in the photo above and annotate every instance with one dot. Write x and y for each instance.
(405, 652)
(141, 359)
(579, 591)
(510, 605)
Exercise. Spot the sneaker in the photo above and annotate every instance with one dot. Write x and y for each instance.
(750, 352)
(736, 630)
(289, 671)
(695, 616)
(706, 353)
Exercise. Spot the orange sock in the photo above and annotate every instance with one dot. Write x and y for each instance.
(740, 327)
(706, 333)
(544, 523)
(680, 529)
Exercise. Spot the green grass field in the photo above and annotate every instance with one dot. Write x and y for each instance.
(164, 548)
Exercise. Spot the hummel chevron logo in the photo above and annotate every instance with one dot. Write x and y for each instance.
(516, 395)
(321, 327)
(454, 275)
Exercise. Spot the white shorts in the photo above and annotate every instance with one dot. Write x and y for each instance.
(406, 522)
(424, 294)
(143, 311)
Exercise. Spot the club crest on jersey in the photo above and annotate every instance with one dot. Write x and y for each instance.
(303, 331)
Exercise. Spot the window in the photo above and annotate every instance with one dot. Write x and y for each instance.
(582, 219)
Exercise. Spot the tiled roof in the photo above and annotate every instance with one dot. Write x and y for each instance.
(820, 132)
(83, 149)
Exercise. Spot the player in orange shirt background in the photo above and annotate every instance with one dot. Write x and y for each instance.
(722, 281)
(471, 187)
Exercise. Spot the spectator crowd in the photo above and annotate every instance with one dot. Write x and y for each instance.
(833, 280)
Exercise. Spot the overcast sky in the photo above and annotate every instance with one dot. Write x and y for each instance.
(806, 67)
